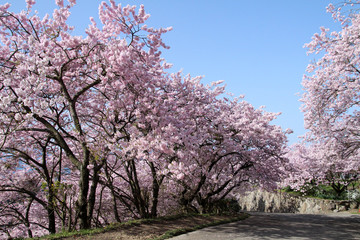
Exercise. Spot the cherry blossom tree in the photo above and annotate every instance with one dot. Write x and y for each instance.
(232, 153)
(95, 130)
(54, 83)
(331, 97)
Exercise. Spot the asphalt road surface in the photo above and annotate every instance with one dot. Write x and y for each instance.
(339, 226)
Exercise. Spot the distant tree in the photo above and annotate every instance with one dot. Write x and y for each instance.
(318, 164)
(232, 147)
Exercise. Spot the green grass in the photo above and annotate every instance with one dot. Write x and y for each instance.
(83, 232)
(168, 234)
(92, 231)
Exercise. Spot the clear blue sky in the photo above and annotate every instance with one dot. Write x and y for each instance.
(255, 46)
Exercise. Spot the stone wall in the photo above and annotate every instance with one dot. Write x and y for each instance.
(263, 201)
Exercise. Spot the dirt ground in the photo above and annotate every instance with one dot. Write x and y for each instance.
(151, 230)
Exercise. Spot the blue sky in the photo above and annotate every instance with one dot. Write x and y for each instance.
(255, 46)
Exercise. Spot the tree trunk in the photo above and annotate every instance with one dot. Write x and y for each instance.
(82, 199)
(51, 213)
(92, 195)
(138, 197)
(155, 190)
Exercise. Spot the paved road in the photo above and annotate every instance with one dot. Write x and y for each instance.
(283, 226)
